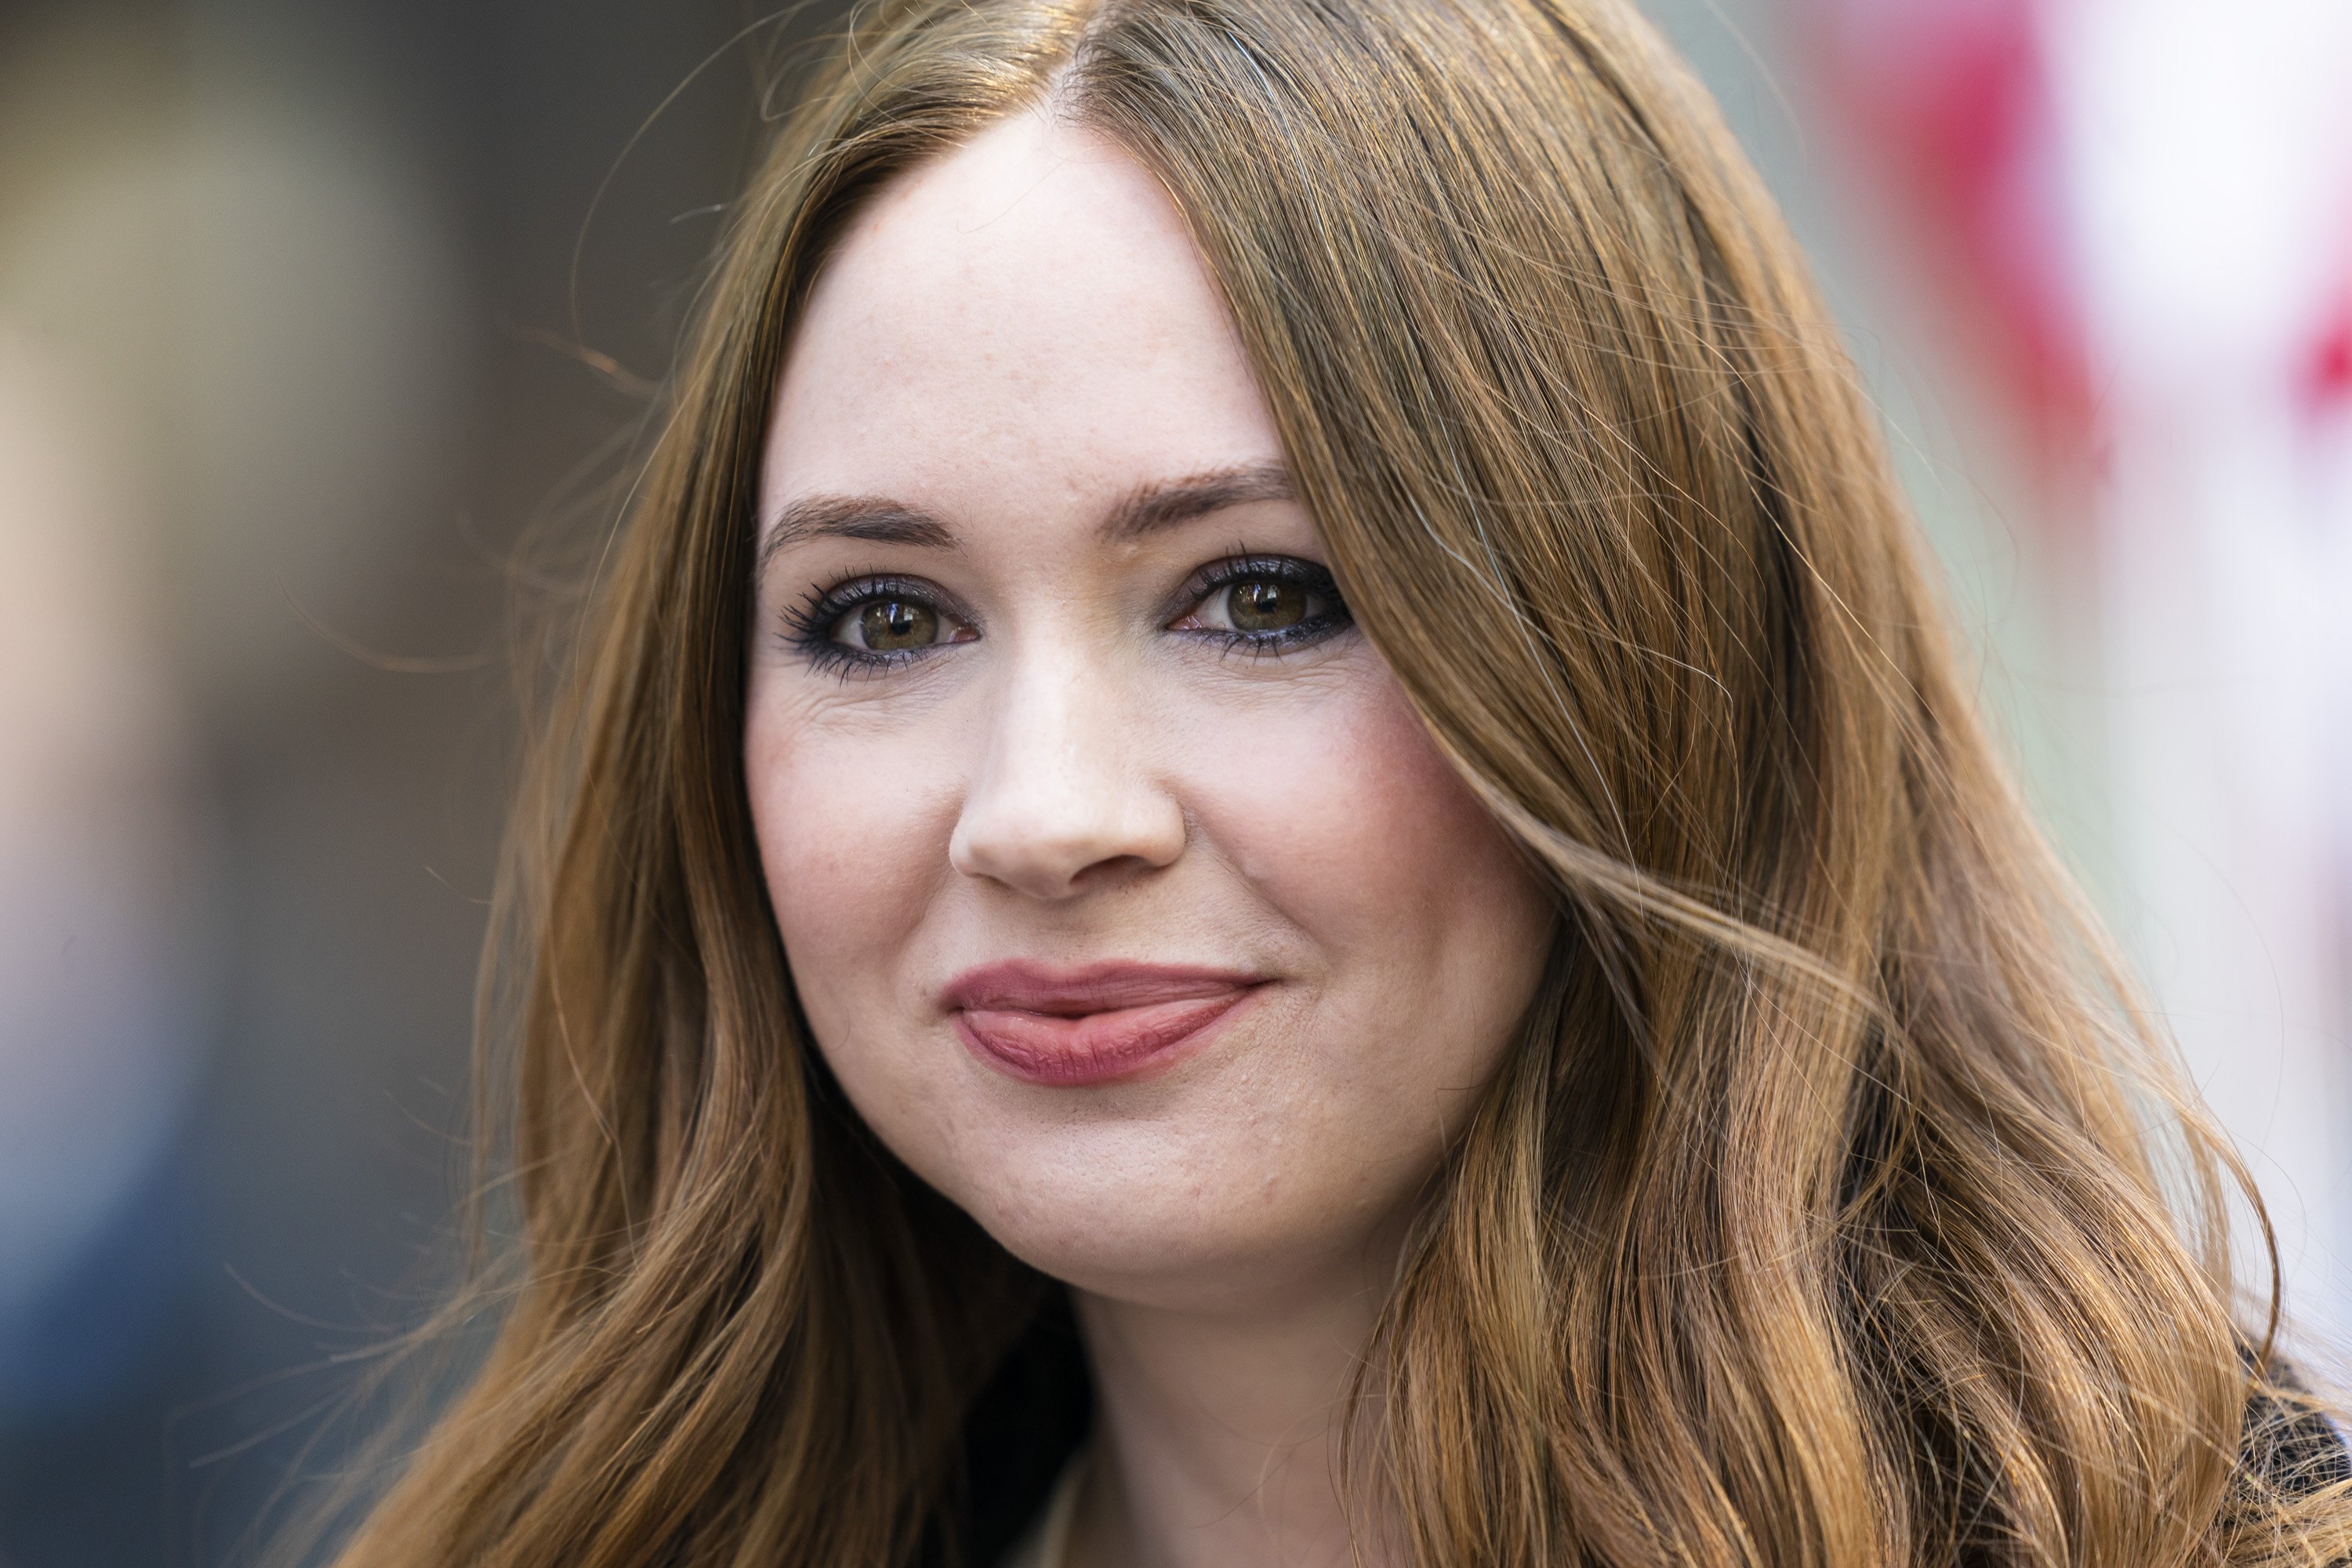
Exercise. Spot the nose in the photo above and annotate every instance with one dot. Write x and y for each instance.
(1061, 799)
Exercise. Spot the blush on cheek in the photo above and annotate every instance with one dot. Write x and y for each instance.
(852, 854)
(1363, 820)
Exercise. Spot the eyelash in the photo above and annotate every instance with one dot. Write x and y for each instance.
(1304, 575)
(809, 625)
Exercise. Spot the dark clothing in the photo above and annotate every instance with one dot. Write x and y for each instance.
(2293, 1449)
(1024, 1428)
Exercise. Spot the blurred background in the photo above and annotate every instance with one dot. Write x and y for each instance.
(311, 309)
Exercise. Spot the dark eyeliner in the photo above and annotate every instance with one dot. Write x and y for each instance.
(1241, 567)
(808, 625)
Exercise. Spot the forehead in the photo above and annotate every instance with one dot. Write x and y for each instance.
(1023, 318)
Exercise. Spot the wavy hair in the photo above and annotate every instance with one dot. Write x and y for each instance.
(1837, 1206)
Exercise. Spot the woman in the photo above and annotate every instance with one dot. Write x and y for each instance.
(1268, 851)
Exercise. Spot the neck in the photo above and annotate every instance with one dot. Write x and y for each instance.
(1217, 1435)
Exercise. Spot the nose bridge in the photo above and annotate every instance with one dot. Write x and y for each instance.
(1064, 784)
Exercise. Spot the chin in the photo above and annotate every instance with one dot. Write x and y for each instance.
(1135, 1224)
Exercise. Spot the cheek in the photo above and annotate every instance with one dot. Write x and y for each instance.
(1364, 837)
(852, 844)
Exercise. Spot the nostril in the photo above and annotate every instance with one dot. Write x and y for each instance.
(1115, 869)
(1033, 857)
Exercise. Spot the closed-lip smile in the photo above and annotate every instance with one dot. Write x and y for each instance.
(1099, 1023)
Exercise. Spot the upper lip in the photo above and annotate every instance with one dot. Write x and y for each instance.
(1027, 986)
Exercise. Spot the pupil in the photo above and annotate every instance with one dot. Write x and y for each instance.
(1264, 606)
(890, 625)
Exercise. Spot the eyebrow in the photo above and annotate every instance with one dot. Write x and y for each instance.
(870, 518)
(1145, 511)
(1150, 509)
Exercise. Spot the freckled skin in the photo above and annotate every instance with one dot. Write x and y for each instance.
(1013, 338)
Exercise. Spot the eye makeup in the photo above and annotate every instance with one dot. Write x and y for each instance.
(836, 629)
(870, 624)
(1262, 605)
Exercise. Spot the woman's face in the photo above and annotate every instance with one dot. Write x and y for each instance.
(1129, 901)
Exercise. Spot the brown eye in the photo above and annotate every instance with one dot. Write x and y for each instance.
(1265, 607)
(1266, 604)
(892, 625)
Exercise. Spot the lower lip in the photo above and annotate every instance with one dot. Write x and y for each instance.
(1097, 1047)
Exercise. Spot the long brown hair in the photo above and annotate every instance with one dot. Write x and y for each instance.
(1837, 1206)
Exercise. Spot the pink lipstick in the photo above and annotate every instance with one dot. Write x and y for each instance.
(1072, 1027)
